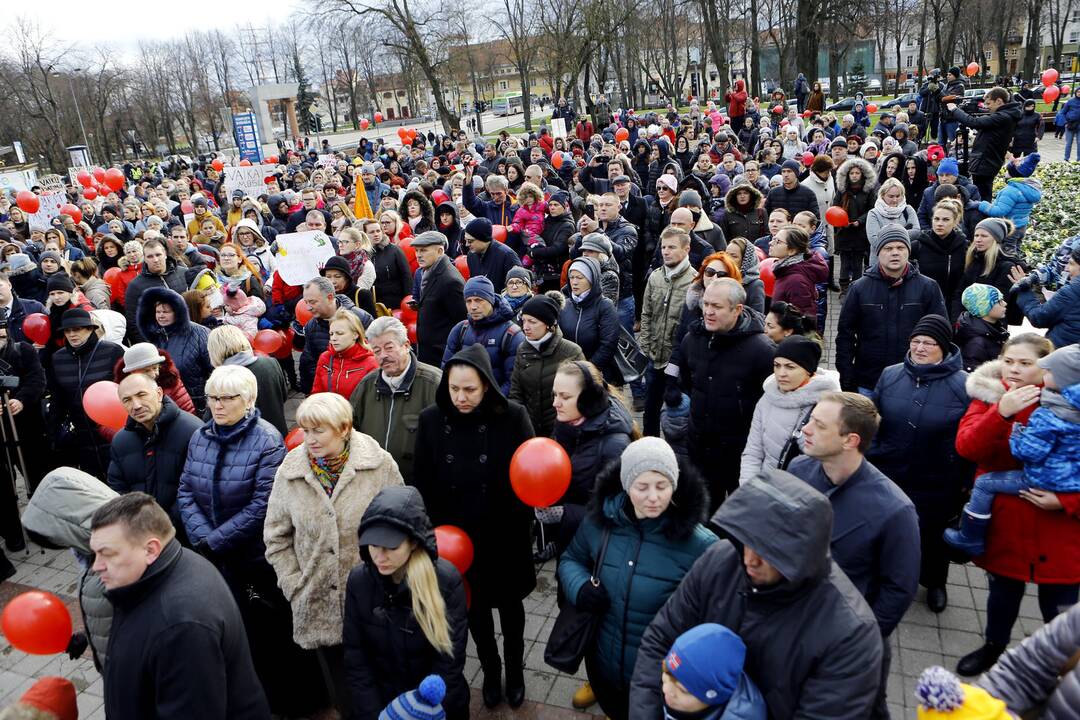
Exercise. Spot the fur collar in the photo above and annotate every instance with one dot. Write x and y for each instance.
(689, 505)
(984, 383)
(364, 454)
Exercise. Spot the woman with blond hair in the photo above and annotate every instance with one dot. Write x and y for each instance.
(987, 262)
(393, 227)
(347, 358)
(341, 217)
(319, 496)
(405, 609)
(227, 345)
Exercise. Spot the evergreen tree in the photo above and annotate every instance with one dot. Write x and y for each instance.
(304, 97)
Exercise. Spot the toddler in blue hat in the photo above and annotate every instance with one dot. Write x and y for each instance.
(703, 678)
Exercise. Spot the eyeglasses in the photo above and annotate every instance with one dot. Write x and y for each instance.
(715, 272)
(220, 399)
(515, 281)
(923, 343)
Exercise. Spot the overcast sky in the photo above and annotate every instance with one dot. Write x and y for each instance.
(123, 23)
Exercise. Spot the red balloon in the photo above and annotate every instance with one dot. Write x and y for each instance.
(438, 197)
(187, 208)
(267, 342)
(557, 160)
(808, 158)
(1051, 94)
(364, 123)
(73, 211)
(303, 313)
(498, 232)
(410, 252)
(217, 164)
(454, 545)
(114, 178)
(37, 622)
(1065, 89)
(102, 405)
(777, 110)
(408, 313)
(836, 216)
(285, 351)
(273, 159)
(871, 108)
(410, 328)
(27, 201)
(245, 163)
(622, 134)
(84, 178)
(767, 276)
(295, 438)
(111, 275)
(378, 117)
(99, 174)
(461, 262)
(38, 328)
(1049, 77)
(972, 69)
(89, 193)
(540, 472)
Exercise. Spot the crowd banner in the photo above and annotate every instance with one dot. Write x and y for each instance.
(558, 127)
(247, 137)
(248, 178)
(301, 255)
(49, 206)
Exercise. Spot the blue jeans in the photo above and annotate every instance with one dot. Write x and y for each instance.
(987, 485)
(1071, 135)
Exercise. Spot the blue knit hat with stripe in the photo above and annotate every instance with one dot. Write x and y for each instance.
(980, 299)
(423, 703)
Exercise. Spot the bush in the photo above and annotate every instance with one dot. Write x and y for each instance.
(1057, 216)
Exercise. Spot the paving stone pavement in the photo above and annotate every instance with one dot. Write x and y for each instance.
(921, 640)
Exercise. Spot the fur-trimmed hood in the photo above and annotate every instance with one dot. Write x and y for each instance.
(870, 179)
(985, 382)
(689, 504)
(426, 208)
(755, 197)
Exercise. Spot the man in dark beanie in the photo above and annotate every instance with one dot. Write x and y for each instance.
(790, 195)
(490, 322)
(488, 257)
(538, 359)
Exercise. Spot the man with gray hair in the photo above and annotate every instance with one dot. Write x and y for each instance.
(721, 364)
(387, 404)
(498, 208)
(323, 302)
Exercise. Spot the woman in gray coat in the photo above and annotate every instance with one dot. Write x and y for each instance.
(58, 515)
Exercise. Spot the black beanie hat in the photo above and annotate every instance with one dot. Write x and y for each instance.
(60, 281)
(935, 327)
(543, 308)
(800, 350)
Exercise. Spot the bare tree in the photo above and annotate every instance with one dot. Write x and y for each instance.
(1058, 13)
(516, 27)
(1034, 36)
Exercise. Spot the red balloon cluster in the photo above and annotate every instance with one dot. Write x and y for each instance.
(285, 350)
(1049, 77)
(1051, 93)
(455, 546)
(295, 438)
(37, 622)
(406, 135)
(768, 279)
(102, 405)
(837, 216)
(99, 174)
(37, 327)
(540, 472)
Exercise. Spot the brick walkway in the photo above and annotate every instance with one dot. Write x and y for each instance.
(922, 639)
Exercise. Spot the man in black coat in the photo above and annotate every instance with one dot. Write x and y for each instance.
(721, 364)
(177, 649)
(994, 137)
(875, 527)
(148, 454)
(791, 195)
(488, 257)
(441, 303)
(16, 309)
(812, 643)
(159, 270)
(880, 311)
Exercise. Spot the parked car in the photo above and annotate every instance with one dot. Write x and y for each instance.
(900, 102)
(844, 105)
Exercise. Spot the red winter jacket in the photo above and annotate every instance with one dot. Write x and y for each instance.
(736, 100)
(342, 372)
(1024, 542)
(584, 131)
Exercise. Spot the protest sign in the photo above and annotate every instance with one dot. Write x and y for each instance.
(558, 127)
(48, 208)
(301, 255)
(247, 178)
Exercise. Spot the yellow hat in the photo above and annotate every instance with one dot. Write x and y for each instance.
(943, 697)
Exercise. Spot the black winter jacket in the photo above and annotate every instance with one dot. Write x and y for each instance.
(592, 445)
(496, 261)
(979, 340)
(72, 371)
(386, 652)
(942, 260)
(1028, 133)
(393, 276)
(177, 647)
(594, 325)
(794, 201)
(550, 257)
(876, 321)
(533, 375)
(813, 645)
(441, 307)
(994, 137)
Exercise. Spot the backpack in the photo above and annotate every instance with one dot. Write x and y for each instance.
(512, 329)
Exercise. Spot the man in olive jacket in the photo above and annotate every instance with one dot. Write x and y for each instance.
(387, 404)
(662, 307)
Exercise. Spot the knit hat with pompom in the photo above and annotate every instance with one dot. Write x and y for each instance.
(943, 697)
(423, 703)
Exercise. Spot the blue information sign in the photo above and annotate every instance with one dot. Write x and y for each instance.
(247, 137)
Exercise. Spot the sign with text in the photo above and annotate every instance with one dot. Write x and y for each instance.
(558, 127)
(48, 208)
(301, 255)
(246, 131)
(248, 178)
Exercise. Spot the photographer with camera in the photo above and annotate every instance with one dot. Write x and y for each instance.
(995, 135)
(930, 99)
(22, 383)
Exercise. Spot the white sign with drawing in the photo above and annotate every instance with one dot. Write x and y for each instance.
(558, 127)
(48, 208)
(301, 255)
(247, 178)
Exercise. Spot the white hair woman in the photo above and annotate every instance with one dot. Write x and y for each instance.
(320, 494)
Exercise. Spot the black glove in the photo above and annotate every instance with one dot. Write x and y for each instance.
(203, 548)
(592, 598)
(77, 645)
(672, 395)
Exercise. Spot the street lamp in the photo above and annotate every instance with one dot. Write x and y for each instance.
(71, 85)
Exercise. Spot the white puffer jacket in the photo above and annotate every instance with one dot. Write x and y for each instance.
(777, 416)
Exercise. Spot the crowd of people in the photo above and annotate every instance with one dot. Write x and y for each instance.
(745, 549)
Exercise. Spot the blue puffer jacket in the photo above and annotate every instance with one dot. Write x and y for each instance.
(225, 485)
(184, 340)
(1015, 201)
(1061, 313)
(499, 335)
(644, 563)
(1049, 445)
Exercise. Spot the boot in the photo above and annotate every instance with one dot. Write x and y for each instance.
(515, 683)
(492, 687)
(832, 280)
(971, 537)
(979, 661)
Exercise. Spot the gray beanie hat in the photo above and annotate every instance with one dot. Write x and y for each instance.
(996, 227)
(648, 453)
(597, 242)
(1063, 364)
(690, 198)
(892, 233)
